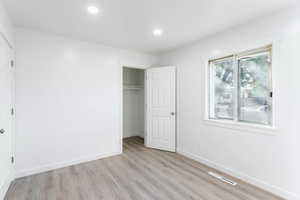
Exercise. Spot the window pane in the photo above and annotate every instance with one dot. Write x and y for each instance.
(254, 88)
(222, 89)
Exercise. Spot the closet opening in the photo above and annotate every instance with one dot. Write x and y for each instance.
(133, 106)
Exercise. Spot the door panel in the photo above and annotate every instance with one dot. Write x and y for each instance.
(5, 112)
(161, 105)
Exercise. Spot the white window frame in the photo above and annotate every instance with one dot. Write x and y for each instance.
(235, 123)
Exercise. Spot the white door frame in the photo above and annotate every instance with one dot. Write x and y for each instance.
(13, 93)
(120, 109)
(13, 104)
(11, 177)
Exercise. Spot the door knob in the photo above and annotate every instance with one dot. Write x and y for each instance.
(172, 113)
(2, 131)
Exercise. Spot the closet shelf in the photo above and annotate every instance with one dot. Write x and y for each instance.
(133, 87)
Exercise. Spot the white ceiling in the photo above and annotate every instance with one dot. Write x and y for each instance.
(129, 23)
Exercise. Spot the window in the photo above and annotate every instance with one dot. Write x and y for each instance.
(240, 87)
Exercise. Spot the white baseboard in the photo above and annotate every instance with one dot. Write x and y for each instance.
(139, 134)
(142, 134)
(4, 187)
(261, 184)
(50, 167)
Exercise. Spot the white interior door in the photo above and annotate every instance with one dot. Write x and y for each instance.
(161, 108)
(5, 113)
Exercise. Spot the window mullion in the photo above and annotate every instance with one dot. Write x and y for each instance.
(211, 91)
(236, 89)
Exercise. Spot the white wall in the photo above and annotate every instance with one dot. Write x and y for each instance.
(264, 157)
(6, 27)
(68, 103)
(133, 113)
(6, 173)
(133, 103)
(68, 100)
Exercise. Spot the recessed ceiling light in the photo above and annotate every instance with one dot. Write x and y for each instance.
(157, 32)
(93, 10)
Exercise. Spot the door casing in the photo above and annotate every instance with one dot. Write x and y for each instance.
(120, 108)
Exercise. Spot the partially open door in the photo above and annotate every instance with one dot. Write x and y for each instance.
(161, 108)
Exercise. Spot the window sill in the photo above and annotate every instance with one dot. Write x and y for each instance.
(252, 128)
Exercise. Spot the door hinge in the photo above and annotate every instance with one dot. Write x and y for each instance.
(12, 63)
(12, 159)
(271, 94)
(12, 111)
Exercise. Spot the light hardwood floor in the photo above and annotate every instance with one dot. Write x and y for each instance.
(138, 174)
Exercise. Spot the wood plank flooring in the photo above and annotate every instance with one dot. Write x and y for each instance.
(138, 174)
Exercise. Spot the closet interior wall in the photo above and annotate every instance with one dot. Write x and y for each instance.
(133, 102)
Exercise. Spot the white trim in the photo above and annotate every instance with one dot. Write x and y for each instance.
(251, 180)
(4, 187)
(7, 181)
(59, 165)
(135, 134)
(246, 127)
(145, 108)
(120, 111)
